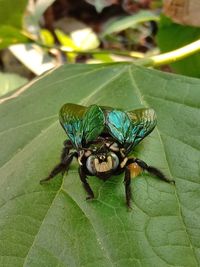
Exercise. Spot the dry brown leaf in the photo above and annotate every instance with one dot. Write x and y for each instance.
(183, 11)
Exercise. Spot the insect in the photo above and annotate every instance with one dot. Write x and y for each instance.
(102, 139)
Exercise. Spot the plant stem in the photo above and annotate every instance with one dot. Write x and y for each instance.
(134, 54)
(170, 57)
(153, 61)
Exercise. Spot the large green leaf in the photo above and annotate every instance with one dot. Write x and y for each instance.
(53, 225)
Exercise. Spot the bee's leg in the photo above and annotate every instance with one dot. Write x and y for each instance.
(64, 155)
(65, 160)
(86, 186)
(66, 149)
(153, 170)
(127, 184)
(61, 167)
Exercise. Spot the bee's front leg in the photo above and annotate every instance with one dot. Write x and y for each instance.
(63, 166)
(66, 149)
(86, 186)
(127, 184)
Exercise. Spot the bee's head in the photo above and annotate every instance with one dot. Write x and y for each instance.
(101, 158)
(101, 163)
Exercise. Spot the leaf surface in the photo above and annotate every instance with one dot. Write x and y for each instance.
(53, 225)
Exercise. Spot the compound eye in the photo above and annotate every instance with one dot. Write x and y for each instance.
(114, 147)
(115, 160)
(90, 164)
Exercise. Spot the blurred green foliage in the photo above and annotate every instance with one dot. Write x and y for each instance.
(172, 36)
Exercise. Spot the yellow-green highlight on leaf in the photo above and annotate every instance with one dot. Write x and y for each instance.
(47, 37)
(65, 40)
(68, 44)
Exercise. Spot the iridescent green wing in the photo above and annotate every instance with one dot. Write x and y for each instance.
(71, 116)
(93, 123)
(144, 121)
(129, 128)
(82, 124)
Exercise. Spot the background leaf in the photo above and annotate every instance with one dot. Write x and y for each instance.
(8, 17)
(53, 225)
(172, 36)
(11, 22)
(122, 23)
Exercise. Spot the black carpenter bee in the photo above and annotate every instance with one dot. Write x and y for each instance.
(102, 138)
